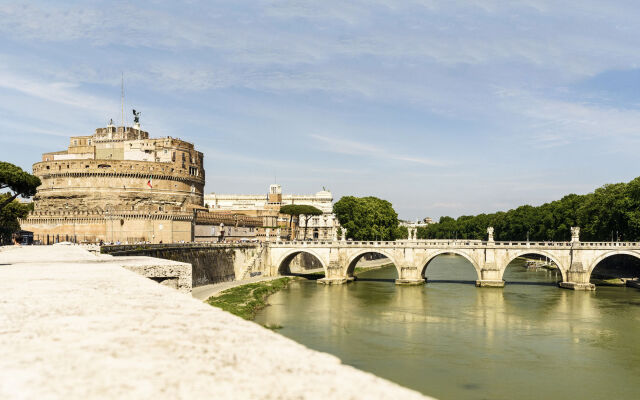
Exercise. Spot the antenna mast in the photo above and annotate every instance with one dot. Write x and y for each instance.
(122, 99)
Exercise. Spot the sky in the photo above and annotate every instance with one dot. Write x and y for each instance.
(441, 107)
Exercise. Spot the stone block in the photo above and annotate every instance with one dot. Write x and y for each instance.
(577, 286)
(490, 283)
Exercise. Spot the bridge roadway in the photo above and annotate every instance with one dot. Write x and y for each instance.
(575, 260)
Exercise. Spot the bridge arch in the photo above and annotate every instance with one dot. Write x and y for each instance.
(612, 253)
(425, 262)
(523, 252)
(284, 260)
(354, 258)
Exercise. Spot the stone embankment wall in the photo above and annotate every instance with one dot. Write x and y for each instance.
(211, 263)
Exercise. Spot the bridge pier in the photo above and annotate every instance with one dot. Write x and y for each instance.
(577, 286)
(335, 275)
(577, 278)
(333, 281)
(410, 276)
(490, 283)
(410, 282)
(490, 276)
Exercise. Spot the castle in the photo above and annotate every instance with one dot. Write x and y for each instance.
(118, 185)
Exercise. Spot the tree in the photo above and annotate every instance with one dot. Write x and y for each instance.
(19, 183)
(9, 217)
(298, 210)
(611, 212)
(292, 211)
(367, 218)
(308, 212)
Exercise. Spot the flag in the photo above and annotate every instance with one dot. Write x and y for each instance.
(149, 183)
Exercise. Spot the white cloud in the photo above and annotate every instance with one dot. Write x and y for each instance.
(345, 146)
(56, 92)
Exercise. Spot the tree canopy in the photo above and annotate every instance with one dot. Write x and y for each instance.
(296, 210)
(19, 182)
(300, 209)
(9, 217)
(368, 218)
(611, 212)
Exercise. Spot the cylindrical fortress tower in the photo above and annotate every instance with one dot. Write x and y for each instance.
(112, 185)
(109, 185)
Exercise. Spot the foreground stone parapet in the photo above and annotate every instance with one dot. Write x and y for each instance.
(176, 275)
(74, 328)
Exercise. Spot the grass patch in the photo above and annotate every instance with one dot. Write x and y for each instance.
(608, 281)
(244, 301)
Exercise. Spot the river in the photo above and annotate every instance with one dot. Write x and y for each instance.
(451, 340)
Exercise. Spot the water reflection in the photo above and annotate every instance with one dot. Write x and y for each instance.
(452, 340)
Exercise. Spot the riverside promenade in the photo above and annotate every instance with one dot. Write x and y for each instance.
(76, 325)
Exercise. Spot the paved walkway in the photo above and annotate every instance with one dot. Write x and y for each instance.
(77, 326)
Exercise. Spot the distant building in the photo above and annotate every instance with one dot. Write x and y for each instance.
(418, 223)
(225, 226)
(118, 185)
(267, 206)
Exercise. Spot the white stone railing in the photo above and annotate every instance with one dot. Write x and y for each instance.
(451, 243)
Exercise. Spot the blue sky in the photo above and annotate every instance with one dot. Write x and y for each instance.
(441, 107)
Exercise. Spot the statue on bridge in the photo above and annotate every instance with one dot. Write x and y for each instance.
(490, 234)
(575, 234)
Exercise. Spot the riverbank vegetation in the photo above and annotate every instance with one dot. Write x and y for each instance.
(611, 212)
(246, 300)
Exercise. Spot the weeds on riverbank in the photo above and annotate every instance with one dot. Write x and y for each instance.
(245, 301)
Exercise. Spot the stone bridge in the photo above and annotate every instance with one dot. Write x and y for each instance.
(575, 260)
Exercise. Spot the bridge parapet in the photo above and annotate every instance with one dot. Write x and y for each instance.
(456, 244)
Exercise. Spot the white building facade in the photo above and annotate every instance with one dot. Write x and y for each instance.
(322, 227)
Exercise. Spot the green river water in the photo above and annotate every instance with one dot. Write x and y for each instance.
(451, 340)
